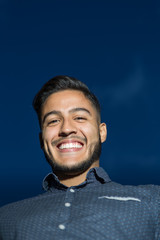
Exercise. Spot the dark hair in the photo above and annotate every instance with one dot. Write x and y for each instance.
(60, 83)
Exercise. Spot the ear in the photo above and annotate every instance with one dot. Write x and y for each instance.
(41, 140)
(103, 132)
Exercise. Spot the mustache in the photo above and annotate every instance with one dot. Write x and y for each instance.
(56, 142)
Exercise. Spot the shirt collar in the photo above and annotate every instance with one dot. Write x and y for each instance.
(94, 176)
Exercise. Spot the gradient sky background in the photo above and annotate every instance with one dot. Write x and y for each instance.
(114, 47)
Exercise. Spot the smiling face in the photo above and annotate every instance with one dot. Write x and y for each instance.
(71, 134)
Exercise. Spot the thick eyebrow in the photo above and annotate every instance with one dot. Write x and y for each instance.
(55, 112)
(79, 110)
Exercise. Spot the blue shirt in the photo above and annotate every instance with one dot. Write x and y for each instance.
(96, 209)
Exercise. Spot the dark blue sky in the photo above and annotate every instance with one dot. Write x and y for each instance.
(114, 47)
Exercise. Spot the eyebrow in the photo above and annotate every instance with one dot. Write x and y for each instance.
(55, 112)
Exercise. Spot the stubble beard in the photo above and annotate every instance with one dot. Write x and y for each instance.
(79, 168)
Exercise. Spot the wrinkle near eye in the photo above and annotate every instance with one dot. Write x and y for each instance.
(53, 122)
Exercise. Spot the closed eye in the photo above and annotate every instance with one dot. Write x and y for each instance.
(80, 118)
(53, 122)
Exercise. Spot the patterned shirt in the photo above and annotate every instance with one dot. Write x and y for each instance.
(96, 209)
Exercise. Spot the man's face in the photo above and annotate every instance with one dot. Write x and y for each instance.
(71, 134)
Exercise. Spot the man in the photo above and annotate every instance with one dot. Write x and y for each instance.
(80, 202)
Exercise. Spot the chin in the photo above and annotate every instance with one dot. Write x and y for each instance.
(73, 168)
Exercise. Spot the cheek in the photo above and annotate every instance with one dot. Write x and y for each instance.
(48, 134)
(90, 131)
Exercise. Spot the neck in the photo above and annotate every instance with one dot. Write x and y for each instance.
(74, 180)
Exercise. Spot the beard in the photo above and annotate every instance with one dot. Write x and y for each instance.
(94, 155)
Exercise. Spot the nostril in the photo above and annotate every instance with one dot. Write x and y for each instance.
(63, 134)
(66, 133)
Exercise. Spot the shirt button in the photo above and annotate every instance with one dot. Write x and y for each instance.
(67, 204)
(61, 226)
(72, 190)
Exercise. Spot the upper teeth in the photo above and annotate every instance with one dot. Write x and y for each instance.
(70, 145)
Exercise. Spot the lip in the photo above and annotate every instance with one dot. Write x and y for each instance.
(70, 141)
(72, 149)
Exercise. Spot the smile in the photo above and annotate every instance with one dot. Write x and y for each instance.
(70, 145)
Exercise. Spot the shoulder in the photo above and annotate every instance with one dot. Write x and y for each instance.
(20, 207)
(151, 191)
(147, 195)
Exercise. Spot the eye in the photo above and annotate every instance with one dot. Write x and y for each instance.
(53, 122)
(80, 119)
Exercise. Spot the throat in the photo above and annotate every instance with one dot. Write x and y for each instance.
(75, 179)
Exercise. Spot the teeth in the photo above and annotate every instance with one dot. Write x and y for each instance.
(70, 145)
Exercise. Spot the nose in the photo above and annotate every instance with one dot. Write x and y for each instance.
(67, 128)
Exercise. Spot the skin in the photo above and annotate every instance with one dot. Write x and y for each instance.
(68, 117)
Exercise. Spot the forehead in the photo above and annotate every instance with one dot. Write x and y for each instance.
(66, 100)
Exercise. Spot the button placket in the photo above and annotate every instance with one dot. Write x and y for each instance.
(66, 210)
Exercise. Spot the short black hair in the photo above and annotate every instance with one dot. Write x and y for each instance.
(60, 83)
